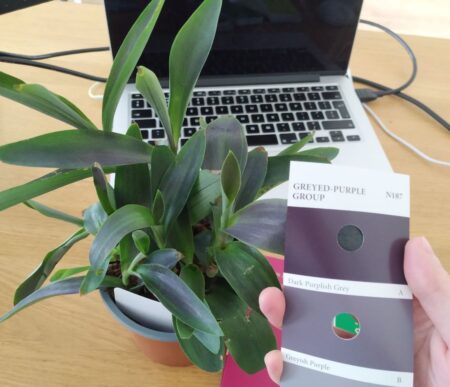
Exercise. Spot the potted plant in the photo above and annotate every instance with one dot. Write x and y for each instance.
(180, 226)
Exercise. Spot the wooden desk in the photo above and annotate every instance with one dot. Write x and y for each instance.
(75, 342)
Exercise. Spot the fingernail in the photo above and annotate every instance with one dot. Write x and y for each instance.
(426, 246)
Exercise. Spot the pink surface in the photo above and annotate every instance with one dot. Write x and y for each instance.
(233, 376)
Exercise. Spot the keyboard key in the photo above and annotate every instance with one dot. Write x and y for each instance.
(299, 126)
(314, 96)
(273, 117)
(332, 114)
(331, 88)
(295, 106)
(271, 98)
(268, 128)
(212, 101)
(237, 109)
(229, 92)
(185, 122)
(244, 91)
(331, 95)
(310, 106)
(241, 99)
(340, 105)
(195, 121)
(353, 138)
(259, 91)
(137, 104)
(303, 135)
(222, 110)
(257, 118)
(158, 133)
(136, 96)
(214, 92)
(300, 96)
(317, 116)
(303, 88)
(252, 129)
(288, 89)
(199, 93)
(281, 107)
(338, 124)
(322, 139)
(265, 139)
(144, 134)
(207, 110)
(183, 141)
(336, 136)
(151, 143)
(288, 138)
(188, 132)
(302, 116)
(198, 101)
(317, 88)
(243, 119)
(266, 108)
(227, 100)
(287, 117)
(283, 127)
(285, 97)
(208, 119)
(141, 113)
(313, 125)
(274, 90)
(192, 111)
(251, 108)
(146, 124)
(166, 95)
(324, 105)
(256, 99)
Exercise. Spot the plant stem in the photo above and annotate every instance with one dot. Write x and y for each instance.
(126, 274)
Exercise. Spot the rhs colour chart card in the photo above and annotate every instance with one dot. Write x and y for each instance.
(349, 311)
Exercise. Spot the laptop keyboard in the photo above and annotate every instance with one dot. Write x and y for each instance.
(269, 115)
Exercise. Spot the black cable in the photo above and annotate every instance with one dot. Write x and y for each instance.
(54, 54)
(410, 52)
(47, 66)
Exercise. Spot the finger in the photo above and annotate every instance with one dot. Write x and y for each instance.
(430, 283)
(273, 305)
(274, 364)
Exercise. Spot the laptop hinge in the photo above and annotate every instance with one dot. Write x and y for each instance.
(253, 80)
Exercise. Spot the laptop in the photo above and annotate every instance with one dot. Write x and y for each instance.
(279, 66)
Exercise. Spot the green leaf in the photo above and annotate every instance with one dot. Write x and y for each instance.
(148, 84)
(252, 177)
(261, 224)
(132, 182)
(178, 181)
(41, 273)
(59, 288)
(158, 207)
(105, 192)
(52, 213)
(199, 355)
(247, 271)
(212, 342)
(126, 59)
(42, 185)
(39, 98)
(164, 257)
(278, 166)
(76, 149)
(184, 331)
(193, 278)
(294, 148)
(248, 334)
(94, 218)
(66, 273)
(180, 236)
(162, 160)
(202, 242)
(141, 241)
(122, 222)
(230, 177)
(222, 136)
(206, 191)
(188, 54)
(178, 298)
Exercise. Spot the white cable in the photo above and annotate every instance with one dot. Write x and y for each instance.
(91, 93)
(402, 141)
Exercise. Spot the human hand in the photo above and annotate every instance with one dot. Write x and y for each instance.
(430, 284)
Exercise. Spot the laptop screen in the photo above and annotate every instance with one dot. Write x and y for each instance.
(254, 37)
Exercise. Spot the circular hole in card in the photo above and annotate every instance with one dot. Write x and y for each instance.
(346, 326)
(350, 237)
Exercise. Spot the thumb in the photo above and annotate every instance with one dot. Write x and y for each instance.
(430, 283)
